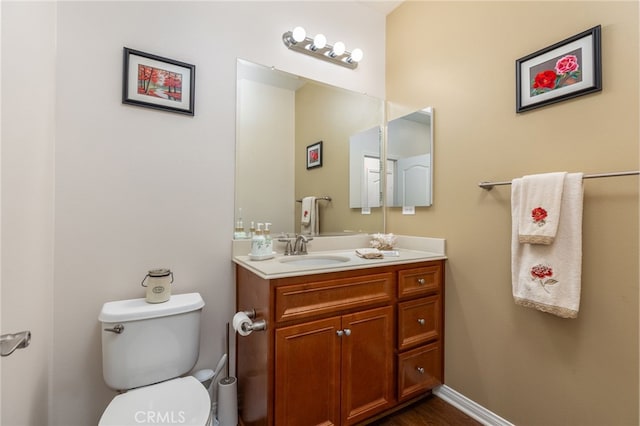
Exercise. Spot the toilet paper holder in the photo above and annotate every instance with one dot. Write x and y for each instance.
(259, 325)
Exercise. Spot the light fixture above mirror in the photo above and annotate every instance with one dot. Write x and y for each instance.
(317, 47)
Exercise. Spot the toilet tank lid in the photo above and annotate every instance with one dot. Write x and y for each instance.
(139, 309)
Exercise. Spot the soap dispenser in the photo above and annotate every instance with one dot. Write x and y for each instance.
(238, 231)
(258, 242)
(268, 242)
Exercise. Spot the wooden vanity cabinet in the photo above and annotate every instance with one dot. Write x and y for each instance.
(331, 353)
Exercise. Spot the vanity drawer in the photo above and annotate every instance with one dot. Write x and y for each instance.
(419, 281)
(306, 300)
(419, 370)
(418, 321)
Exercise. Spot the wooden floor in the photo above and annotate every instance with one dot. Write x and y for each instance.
(431, 411)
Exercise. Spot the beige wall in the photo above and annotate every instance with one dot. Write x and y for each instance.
(529, 367)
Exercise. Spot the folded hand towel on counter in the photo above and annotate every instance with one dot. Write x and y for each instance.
(540, 207)
(369, 253)
(548, 277)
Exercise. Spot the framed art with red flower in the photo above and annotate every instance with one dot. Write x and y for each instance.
(314, 155)
(156, 82)
(565, 70)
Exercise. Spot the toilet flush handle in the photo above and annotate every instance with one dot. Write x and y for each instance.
(118, 328)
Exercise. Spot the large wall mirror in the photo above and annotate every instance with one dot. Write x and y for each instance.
(279, 117)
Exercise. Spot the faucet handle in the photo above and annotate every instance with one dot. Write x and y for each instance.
(287, 249)
(303, 244)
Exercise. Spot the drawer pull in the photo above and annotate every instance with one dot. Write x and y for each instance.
(420, 370)
(347, 332)
(420, 281)
(421, 321)
(339, 333)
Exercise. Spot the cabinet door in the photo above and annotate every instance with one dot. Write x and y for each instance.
(307, 374)
(367, 363)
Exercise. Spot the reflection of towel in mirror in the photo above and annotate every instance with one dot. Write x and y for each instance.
(548, 277)
(309, 219)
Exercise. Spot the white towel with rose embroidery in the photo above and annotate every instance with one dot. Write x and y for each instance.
(309, 220)
(548, 277)
(540, 207)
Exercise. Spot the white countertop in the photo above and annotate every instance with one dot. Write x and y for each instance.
(410, 250)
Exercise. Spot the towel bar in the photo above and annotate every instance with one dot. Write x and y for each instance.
(489, 185)
(327, 198)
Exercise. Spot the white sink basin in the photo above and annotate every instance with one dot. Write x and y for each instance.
(317, 260)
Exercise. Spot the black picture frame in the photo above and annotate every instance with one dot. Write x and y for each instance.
(564, 70)
(152, 81)
(314, 155)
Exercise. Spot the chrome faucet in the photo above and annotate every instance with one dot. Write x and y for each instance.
(300, 246)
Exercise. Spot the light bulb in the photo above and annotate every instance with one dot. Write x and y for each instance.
(319, 41)
(356, 55)
(299, 34)
(338, 49)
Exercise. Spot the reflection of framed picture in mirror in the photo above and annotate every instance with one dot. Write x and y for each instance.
(314, 155)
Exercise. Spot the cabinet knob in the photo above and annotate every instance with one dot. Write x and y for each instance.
(339, 333)
(420, 281)
(421, 321)
(420, 370)
(347, 332)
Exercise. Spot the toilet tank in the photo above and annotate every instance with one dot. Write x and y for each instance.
(157, 342)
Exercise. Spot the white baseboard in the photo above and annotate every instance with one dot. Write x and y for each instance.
(469, 407)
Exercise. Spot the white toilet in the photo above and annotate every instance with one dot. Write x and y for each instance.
(145, 349)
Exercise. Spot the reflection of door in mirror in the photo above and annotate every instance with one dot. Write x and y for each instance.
(372, 182)
(409, 167)
(364, 170)
(413, 180)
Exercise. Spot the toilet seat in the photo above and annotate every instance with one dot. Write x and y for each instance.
(181, 401)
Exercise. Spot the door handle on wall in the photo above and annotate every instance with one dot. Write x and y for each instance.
(10, 342)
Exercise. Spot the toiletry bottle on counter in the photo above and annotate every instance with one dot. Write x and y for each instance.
(258, 242)
(252, 229)
(268, 242)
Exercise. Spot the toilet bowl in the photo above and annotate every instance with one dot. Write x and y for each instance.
(183, 401)
(146, 348)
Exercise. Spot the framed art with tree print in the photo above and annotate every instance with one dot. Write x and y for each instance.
(565, 70)
(314, 155)
(156, 82)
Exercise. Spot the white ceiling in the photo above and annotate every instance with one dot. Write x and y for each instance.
(383, 6)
